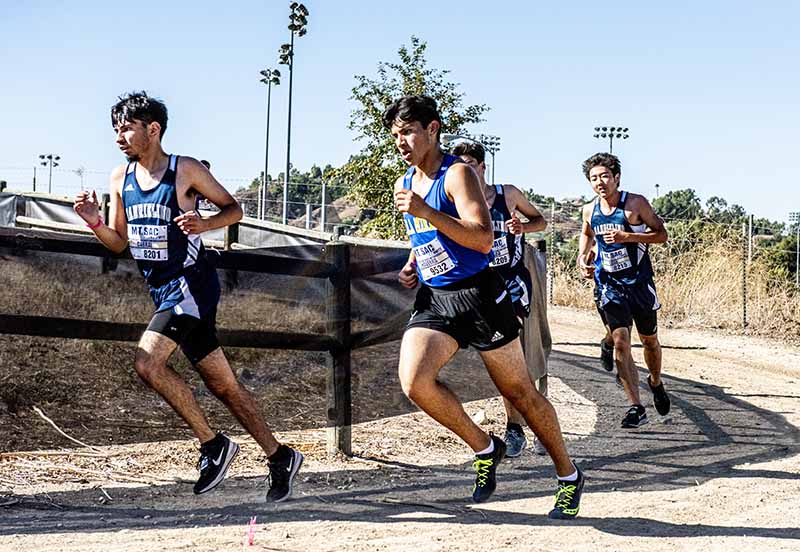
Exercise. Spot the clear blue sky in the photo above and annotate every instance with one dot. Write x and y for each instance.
(708, 89)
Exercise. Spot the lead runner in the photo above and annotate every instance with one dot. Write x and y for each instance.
(154, 200)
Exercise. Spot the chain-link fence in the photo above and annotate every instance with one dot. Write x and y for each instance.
(708, 274)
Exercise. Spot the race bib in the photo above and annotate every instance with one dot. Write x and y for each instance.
(500, 250)
(614, 261)
(148, 242)
(433, 259)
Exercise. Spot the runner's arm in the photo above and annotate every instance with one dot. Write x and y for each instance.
(203, 182)
(473, 228)
(113, 233)
(586, 244)
(639, 206)
(536, 222)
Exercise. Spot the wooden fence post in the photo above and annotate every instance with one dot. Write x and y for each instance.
(337, 310)
(231, 236)
(107, 263)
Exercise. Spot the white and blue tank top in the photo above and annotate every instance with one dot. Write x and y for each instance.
(161, 250)
(507, 247)
(440, 260)
(621, 264)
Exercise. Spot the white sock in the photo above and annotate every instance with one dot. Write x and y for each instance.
(489, 449)
(571, 477)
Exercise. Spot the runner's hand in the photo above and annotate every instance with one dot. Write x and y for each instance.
(615, 236)
(87, 207)
(408, 276)
(514, 225)
(191, 223)
(586, 266)
(409, 202)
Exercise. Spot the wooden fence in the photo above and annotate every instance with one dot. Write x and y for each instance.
(334, 266)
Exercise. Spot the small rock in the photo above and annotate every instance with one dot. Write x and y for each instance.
(480, 417)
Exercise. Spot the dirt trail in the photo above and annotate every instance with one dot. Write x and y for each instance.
(719, 473)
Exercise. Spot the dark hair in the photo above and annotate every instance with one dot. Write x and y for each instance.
(473, 149)
(205, 163)
(607, 160)
(413, 108)
(139, 106)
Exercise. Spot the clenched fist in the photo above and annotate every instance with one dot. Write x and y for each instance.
(408, 275)
(191, 223)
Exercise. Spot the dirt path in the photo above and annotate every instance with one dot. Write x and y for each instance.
(720, 473)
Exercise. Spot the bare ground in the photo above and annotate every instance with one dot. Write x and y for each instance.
(719, 473)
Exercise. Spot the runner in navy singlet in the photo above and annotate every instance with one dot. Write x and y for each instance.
(621, 225)
(154, 212)
(462, 301)
(508, 248)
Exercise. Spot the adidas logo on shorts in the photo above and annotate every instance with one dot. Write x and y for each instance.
(497, 336)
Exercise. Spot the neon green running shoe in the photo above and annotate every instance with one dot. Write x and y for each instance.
(568, 498)
(486, 465)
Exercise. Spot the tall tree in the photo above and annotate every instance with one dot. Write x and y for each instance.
(371, 173)
(678, 204)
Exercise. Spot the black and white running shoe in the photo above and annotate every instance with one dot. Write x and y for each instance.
(660, 397)
(635, 417)
(216, 456)
(281, 475)
(606, 355)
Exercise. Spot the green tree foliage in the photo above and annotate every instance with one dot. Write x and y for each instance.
(370, 175)
(541, 201)
(678, 204)
(304, 187)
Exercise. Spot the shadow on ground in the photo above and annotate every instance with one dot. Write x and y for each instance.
(710, 434)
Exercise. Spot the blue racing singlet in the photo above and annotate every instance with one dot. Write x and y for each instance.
(507, 247)
(161, 250)
(440, 260)
(619, 264)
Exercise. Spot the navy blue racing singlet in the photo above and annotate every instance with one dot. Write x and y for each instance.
(440, 260)
(161, 250)
(619, 264)
(507, 247)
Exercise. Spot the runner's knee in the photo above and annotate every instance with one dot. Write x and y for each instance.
(146, 365)
(650, 342)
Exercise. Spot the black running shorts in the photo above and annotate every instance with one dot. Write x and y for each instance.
(631, 304)
(196, 337)
(476, 311)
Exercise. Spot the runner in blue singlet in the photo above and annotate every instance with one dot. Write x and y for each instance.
(154, 212)
(462, 301)
(621, 225)
(508, 248)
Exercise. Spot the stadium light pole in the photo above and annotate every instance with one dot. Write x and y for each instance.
(270, 77)
(492, 145)
(52, 160)
(795, 218)
(298, 19)
(611, 132)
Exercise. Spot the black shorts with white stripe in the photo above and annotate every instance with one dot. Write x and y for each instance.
(476, 311)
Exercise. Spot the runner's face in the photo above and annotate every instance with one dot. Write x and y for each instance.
(603, 182)
(412, 140)
(133, 138)
(479, 168)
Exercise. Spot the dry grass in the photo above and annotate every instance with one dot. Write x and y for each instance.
(702, 288)
(53, 286)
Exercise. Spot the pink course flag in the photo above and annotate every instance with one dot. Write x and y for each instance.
(251, 531)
